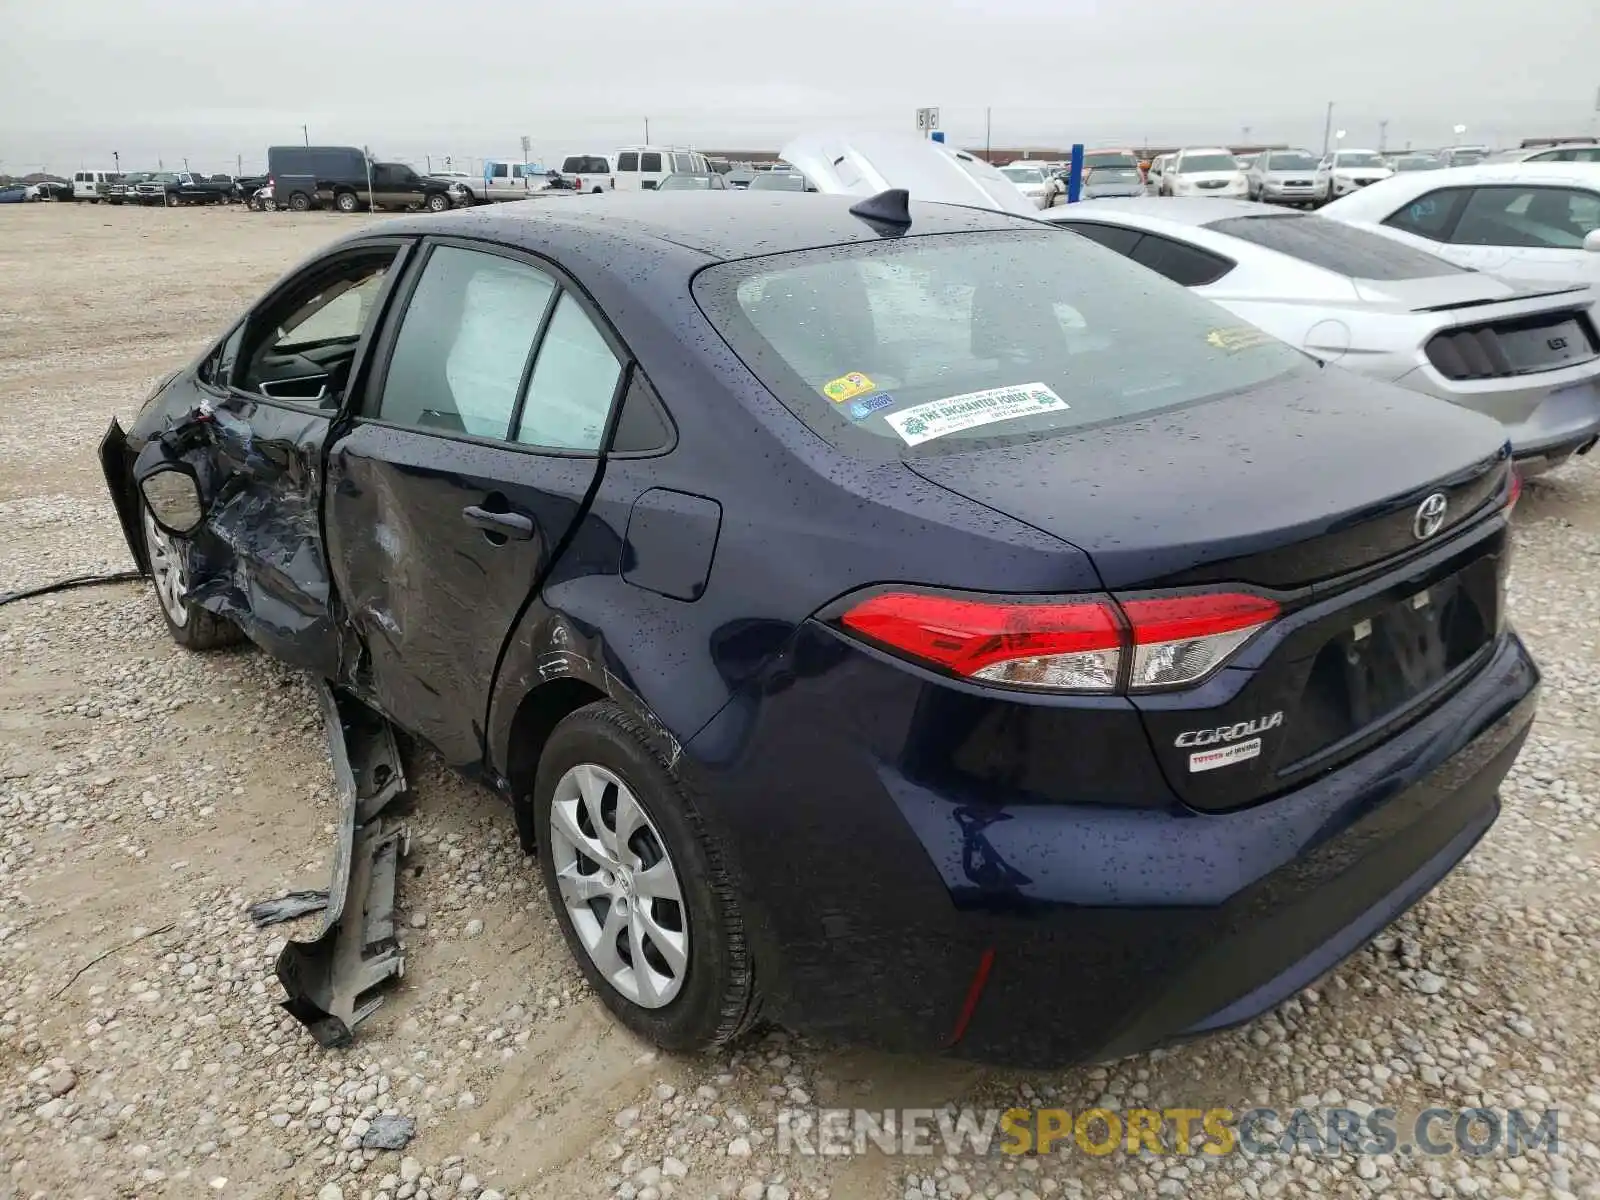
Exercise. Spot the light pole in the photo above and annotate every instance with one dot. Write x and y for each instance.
(1459, 130)
(1244, 136)
(306, 134)
(116, 160)
(1327, 128)
(1383, 135)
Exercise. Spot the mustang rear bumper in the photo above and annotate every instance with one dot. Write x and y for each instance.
(1034, 933)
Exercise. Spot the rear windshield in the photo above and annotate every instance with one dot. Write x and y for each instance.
(1110, 160)
(928, 345)
(778, 181)
(1357, 158)
(1336, 247)
(1023, 174)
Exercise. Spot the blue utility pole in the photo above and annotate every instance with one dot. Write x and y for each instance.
(1075, 174)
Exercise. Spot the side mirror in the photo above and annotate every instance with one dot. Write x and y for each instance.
(1591, 241)
(173, 495)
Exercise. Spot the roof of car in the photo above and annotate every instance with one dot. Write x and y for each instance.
(771, 222)
(1179, 210)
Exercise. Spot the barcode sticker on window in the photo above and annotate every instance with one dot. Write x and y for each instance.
(924, 422)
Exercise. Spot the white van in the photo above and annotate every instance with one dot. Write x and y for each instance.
(92, 185)
(640, 168)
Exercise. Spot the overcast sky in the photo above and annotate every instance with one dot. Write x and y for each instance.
(212, 79)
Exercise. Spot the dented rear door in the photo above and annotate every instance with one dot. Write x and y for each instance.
(455, 489)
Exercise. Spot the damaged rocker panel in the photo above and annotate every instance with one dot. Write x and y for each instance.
(333, 980)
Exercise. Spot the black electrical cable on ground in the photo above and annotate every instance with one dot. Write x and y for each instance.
(77, 581)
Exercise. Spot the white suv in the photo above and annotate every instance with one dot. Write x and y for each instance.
(1204, 171)
(1347, 171)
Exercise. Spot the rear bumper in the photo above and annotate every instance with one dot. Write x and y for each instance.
(876, 893)
(1568, 420)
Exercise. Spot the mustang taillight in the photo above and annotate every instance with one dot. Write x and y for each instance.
(1078, 645)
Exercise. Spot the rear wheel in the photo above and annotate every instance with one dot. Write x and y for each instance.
(299, 202)
(346, 202)
(639, 884)
(437, 202)
(190, 625)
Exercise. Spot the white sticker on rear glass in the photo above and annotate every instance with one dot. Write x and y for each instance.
(924, 422)
(1210, 760)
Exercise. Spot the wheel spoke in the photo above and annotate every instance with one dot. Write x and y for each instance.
(604, 950)
(672, 944)
(564, 821)
(630, 818)
(592, 787)
(643, 974)
(658, 883)
(578, 888)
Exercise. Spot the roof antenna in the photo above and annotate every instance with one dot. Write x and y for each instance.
(889, 211)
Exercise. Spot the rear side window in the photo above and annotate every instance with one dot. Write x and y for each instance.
(628, 160)
(1548, 218)
(650, 161)
(928, 345)
(464, 343)
(1431, 216)
(1179, 261)
(1112, 237)
(574, 381)
(1336, 247)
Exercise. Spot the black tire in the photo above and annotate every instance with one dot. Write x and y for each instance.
(718, 1000)
(346, 202)
(299, 202)
(173, 199)
(437, 202)
(198, 629)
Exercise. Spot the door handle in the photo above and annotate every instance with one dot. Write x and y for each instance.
(506, 524)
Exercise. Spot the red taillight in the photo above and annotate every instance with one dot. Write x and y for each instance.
(1077, 645)
(577, 183)
(1516, 490)
(1074, 645)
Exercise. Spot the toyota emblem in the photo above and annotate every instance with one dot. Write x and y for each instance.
(1430, 517)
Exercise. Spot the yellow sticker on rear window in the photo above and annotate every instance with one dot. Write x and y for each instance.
(848, 387)
(1239, 337)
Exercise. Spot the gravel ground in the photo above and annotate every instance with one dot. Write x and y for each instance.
(147, 795)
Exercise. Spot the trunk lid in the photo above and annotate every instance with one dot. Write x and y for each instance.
(1314, 489)
(1301, 479)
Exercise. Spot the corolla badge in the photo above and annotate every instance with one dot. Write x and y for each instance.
(1430, 517)
(1229, 733)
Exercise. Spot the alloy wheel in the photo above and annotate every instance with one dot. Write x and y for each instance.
(619, 885)
(167, 570)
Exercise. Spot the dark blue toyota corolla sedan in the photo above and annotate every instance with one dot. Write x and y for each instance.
(901, 622)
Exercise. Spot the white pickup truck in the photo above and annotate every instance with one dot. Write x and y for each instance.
(501, 180)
